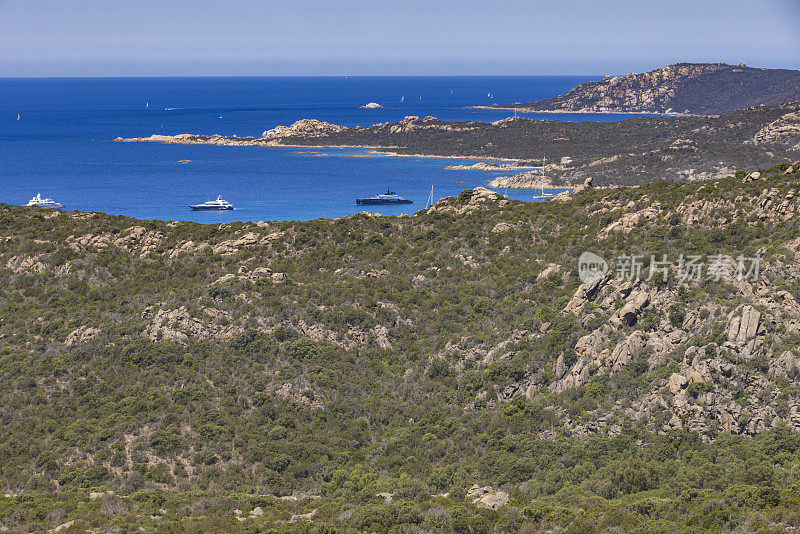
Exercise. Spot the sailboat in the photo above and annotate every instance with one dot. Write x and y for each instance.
(542, 194)
(147, 105)
(17, 116)
(402, 99)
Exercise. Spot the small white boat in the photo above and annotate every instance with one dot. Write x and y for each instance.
(543, 195)
(17, 116)
(214, 205)
(44, 202)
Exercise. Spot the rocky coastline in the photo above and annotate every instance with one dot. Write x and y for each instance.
(683, 89)
(485, 166)
(629, 152)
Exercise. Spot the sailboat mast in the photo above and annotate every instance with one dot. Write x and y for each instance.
(544, 162)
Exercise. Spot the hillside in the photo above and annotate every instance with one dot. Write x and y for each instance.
(446, 372)
(617, 153)
(684, 88)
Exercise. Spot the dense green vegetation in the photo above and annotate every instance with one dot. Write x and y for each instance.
(305, 368)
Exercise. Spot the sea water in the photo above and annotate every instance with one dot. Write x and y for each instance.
(56, 138)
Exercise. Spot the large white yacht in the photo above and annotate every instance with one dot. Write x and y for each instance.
(214, 205)
(44, 202)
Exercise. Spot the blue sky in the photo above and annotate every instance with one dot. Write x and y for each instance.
(410, 37)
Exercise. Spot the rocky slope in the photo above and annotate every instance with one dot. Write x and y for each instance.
(618, 153)
(684, 88)
(445, 372)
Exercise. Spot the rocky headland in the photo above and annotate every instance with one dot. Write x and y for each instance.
(633, 151)
(680, 89)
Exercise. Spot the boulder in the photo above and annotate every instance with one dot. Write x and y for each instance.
(560, 368)
(626, 350)
(587, 184)
(676, 383)
(562, 196)
(743, 329)
(585, 293)
(486, 497)
(551, 268)
(371, 105)
(81, 335)
(629, 313)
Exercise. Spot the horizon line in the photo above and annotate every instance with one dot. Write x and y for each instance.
(99, 76)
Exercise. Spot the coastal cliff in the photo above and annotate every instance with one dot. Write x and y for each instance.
(683, 88)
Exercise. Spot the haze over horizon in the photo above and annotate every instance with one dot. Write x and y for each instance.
(356, 37)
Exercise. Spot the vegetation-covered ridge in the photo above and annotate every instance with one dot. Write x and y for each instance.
(446, 372)
(627, 152)
(684, 88)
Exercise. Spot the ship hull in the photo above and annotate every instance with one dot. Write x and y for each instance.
(51, 206)
(211, 208)
(377, 201)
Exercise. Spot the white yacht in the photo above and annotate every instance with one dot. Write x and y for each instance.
(44, 202)
(214, 205)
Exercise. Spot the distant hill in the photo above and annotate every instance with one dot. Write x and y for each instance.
(684, 88)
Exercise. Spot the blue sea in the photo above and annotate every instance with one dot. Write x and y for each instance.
(62, 143)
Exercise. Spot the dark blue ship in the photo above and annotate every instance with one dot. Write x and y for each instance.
(390, 197)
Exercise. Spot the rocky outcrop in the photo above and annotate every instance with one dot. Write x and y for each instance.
(629, 221)
(784, 131)
(469, 200)
(304, 127)
(785, 365)
(586, 185)
(684, 88)
(487, 497)
(630, 311)
(134, 238)
(585, 293)
(685, 148)
(484, 166)
(180, 325)
(26, 264)
(80, 335)
(371, 105)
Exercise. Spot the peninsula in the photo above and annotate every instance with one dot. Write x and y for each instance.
(633, 151)
(680, 89)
